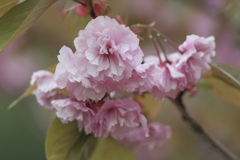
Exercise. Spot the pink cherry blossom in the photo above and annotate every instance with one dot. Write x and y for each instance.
(167, 78)
(143, 78)
(168, 82)
(116, 117)
(46, 87)
(106, 55)
(94, 91)
(75, 79)
(111, 50)
(158, 135)
(197, 54)
(69, 109)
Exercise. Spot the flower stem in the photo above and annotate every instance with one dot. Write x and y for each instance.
(155, 45)
(166, 39)
(162, 48)
(199, 129)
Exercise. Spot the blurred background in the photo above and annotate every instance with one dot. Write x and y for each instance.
(23, 128)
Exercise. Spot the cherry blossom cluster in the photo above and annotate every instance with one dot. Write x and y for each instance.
(108, 61)
(181, 70)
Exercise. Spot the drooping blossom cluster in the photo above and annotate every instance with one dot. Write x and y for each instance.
(107, 61)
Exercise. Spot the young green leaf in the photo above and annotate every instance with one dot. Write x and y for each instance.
(65, 142)
(108, 148)
(221, 89)
(20, 18)
(224, 82)
(6, 5)
(229, 75)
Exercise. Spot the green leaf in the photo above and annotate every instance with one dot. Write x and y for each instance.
(20, 18)
(109, 149)
(6, 5)
(227, 74)
(224, 82)
(65, 142)
(221, 89)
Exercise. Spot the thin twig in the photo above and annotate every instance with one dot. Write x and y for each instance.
(166, 39)
(199, 130)
(163, 49)
(155, 46)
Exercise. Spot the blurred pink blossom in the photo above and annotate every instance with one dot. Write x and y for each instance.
(227, 48)
(116, 117)
(201, 23)
(147, 147)
(16, 66)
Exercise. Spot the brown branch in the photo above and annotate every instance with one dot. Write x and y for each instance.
(199, 130)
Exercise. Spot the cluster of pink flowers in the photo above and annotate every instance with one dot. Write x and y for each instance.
(108, 61)
(182, 70)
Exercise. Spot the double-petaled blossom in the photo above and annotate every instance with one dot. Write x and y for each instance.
(111, 50)
(117, 117)
(142, 79)
(71, 74)
(106, 54)
(197, 53)
(70, 109)
(168, 83)
(167, 78)
(45, 88)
